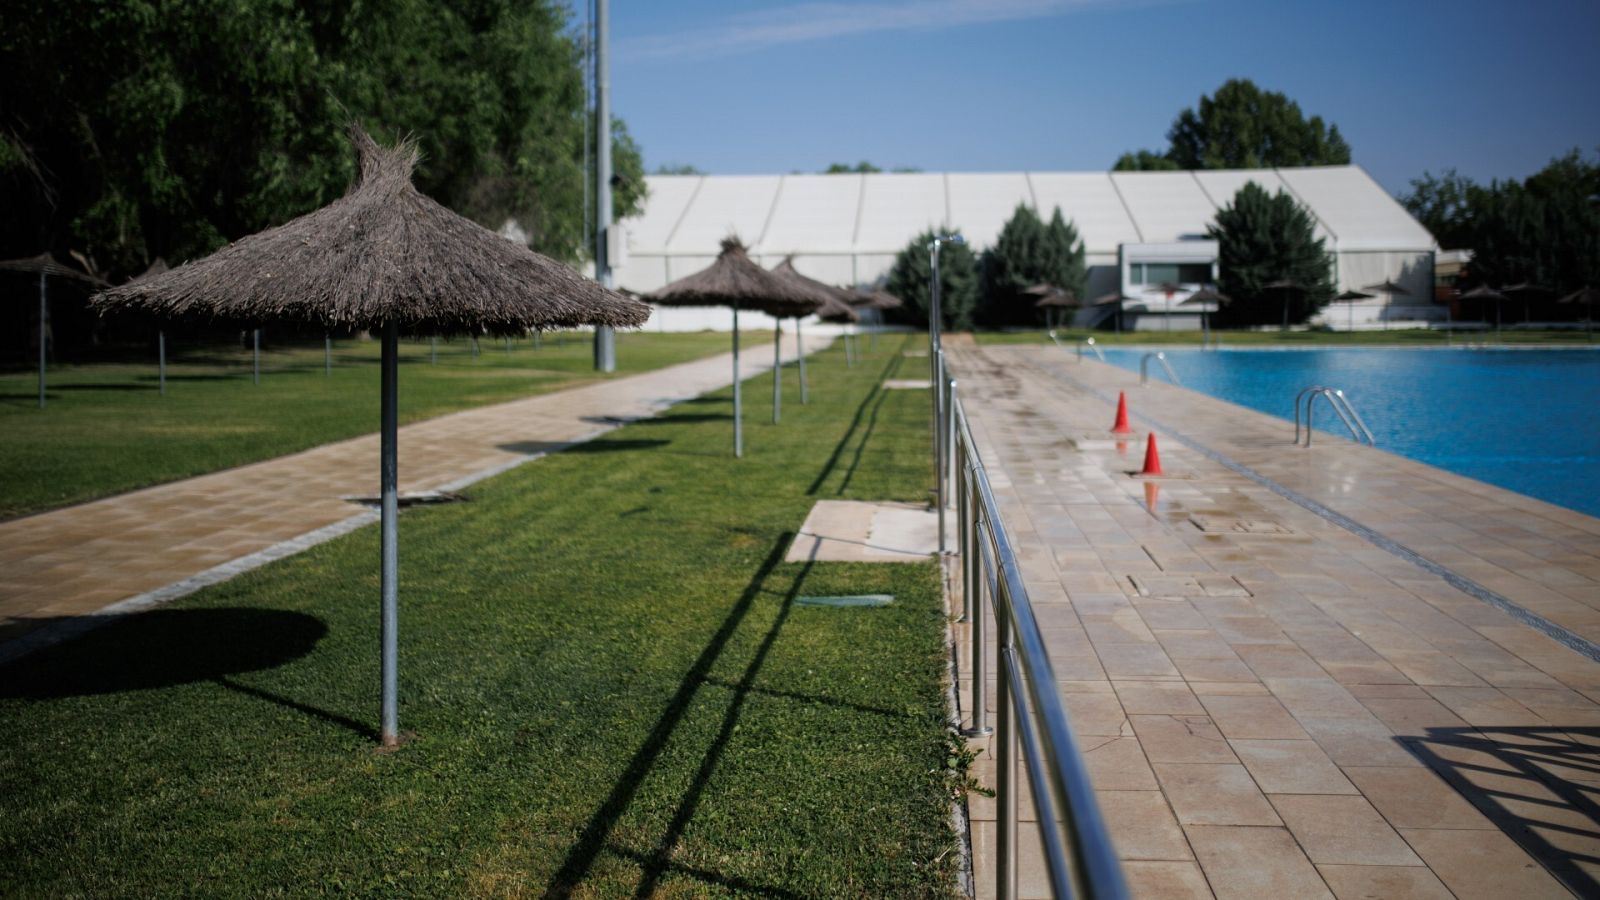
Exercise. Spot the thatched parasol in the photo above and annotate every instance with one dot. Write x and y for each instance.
(1585, 295)
(1051, 298)
(877, 298)
(832, 303)
(1390, 291)
(159, 267)
(1116, 297)
(734, 280)
(1350, 298)
(1200, 298)
(1485, 294)
(46, 265)
(385, 257)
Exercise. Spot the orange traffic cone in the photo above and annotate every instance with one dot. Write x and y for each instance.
(1121, 426)
(1152, 457)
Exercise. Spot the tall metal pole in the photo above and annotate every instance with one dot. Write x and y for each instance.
(44, 318)
(327, 355)
(388, 477)
(738, 409)
(161, 356)
(800, 354)
(777, 369)
(936, 382)
(255, 341)
(605, 340)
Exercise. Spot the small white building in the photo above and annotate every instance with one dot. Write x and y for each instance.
(1139, 229)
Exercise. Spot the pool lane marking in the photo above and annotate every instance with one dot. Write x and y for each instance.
(1571, 640)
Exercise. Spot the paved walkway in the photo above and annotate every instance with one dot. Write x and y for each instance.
(84, 558)
(1274, 705)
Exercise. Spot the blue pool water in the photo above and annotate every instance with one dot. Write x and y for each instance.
(1526, 420)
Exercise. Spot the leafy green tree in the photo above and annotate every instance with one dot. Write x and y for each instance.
(1265, 238)
(860, 168)
(1143, 161)
(677, 169)
(1015, 262)
(130, 130)
(1064, 264)
(1243, 127)
(1544, 230)
(912, 277)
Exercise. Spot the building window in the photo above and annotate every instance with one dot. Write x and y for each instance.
(1177, 273)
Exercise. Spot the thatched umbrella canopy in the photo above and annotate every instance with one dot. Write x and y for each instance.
(1051, 298)
(46, 265)
(833, 304)
(1587, 296)
(1390, 291)
(385, 257)
(1349, 298)
(1485, 294)
(735, 280)
(876, 298)
(1115, 297)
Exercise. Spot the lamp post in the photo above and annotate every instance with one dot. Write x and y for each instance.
(936, 362)
(605, 339)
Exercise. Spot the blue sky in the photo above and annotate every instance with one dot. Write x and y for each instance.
(1494, 89)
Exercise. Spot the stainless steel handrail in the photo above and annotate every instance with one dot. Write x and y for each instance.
(1091, 345)
(1079, 855)
(1341, 406)
(1144, 367)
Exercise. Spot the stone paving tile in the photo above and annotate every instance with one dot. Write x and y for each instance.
(1314, 655)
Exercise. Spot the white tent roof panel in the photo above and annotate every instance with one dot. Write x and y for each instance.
(1360, 214)
(1089, 200)
(815, 214)
(896, 207)
(980, 203)
(670, 196)
(1165, 205)
(725, 205)
(1222, 184)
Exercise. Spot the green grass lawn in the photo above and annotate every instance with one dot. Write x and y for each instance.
(612, 689)
(106, 428)
(1398, 337)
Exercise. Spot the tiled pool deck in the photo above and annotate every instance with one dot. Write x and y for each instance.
(1271, 704)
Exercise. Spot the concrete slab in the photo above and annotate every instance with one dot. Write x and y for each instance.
(853, 531)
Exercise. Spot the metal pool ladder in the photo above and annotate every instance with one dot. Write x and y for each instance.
(1144, 368)
(1341, 406)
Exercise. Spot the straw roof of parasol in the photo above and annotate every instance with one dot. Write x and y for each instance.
(1284, 284)
(159, 267)
(383, 253)
(49, 265)
(832, 303)
(874, 299)
(1388, 287)
(1483, 292)
(1354, 295)
(1104, 299)
(1584, 294)
(1050, 295)
(735, 280)
(1207, 295)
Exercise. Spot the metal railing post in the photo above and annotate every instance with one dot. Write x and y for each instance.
(1005, 748)
(950, 442)
(941, 412)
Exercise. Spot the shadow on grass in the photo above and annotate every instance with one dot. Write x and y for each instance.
(163, 648)
(1538, 785)
(875, 394)
(596, 834)
(108, 386)
(598, 445)
(666, 419)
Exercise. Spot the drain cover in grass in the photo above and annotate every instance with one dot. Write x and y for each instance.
(849, 600)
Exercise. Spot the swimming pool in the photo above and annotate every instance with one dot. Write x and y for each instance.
(1525, 420)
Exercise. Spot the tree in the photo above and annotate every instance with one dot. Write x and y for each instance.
(1244, 127)
(1143, 161)
(1265, 238)
(129, 131)
(1544, 230)
(677, 169)
(1064, 264)
(912, 276)
(860, 168)
(1015, 262)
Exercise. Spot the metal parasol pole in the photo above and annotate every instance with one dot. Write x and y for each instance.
(800, 354)
(44, 315)
(388, 477)
(161, 357)
(433, 350)
(738, 407)
(777, 369)
(327, 354)
(605, 340)
(255, 341)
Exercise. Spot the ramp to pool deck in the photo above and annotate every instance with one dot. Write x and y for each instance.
(1271, 698)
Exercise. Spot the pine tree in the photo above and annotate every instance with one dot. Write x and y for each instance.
(1266, 238)
(912, 275)
(1064, 262)
(1016, 261)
